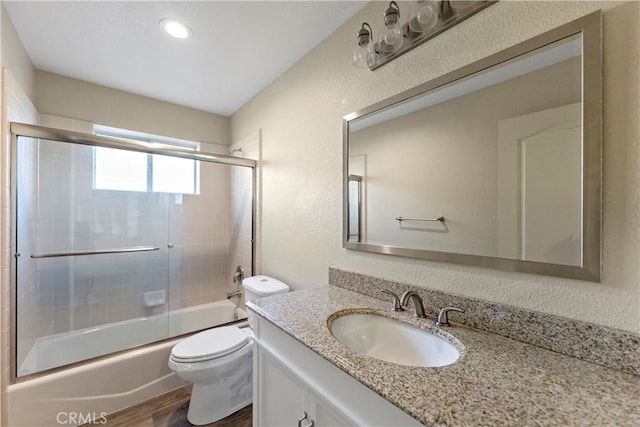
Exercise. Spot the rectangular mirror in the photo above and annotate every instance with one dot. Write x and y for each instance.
(497, 164)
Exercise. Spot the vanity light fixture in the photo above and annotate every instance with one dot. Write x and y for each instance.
(175, 28)
(427, 19)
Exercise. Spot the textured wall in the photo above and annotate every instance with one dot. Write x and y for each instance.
(300, 117)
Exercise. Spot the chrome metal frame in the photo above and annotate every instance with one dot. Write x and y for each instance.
(52, 134)
(32, 131)
(439, 219)
(97, 252)
(590, 26)
(358, 235)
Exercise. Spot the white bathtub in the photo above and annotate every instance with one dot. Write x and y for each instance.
(95, 388)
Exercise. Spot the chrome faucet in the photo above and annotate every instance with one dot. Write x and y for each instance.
(418, 307)
(235, 294)
(238, 276)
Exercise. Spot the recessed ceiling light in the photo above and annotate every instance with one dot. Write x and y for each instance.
(175, 28)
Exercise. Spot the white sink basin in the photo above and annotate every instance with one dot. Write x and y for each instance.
(393, 341)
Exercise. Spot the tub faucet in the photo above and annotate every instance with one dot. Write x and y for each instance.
(234, 294)
(238, 276)
(418, 307)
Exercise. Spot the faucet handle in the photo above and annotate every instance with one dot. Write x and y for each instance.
(238, 276)
(443, 318)
(395, 305)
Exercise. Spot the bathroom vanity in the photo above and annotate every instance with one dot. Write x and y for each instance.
(291, 382)
(497, 380)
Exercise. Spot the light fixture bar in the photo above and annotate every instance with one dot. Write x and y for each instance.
(448, 17)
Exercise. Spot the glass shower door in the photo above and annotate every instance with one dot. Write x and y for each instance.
(92, 272)
(120, 243)
(211, 234)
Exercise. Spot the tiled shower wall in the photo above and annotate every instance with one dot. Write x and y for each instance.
(242, 220)
(204, 240)
(241, 223)
(16, 106)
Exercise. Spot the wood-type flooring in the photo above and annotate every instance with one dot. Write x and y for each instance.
(169, 410)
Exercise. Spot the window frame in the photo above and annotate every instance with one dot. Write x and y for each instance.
(154, 140)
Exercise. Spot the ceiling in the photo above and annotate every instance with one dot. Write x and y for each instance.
(237, 47)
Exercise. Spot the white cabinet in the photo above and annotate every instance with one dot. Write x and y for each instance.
(285, 400)
(326, 415)
(283, 406)
(290, 381)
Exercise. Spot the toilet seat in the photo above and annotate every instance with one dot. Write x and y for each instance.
(210, 344)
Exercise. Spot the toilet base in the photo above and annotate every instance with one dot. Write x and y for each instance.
(213, 402)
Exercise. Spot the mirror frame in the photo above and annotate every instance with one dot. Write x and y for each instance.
(590, 26)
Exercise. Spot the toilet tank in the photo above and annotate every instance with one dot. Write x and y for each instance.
(262, 286)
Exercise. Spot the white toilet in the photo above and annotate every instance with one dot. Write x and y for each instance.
(219, 362)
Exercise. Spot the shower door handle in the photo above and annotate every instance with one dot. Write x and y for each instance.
(98, 252)
(301, 419)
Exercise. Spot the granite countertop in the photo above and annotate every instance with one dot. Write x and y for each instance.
(497, 381)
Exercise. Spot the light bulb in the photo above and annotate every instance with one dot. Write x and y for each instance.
(363, 53)
(424, 15)
(391, 38)
(363, 56)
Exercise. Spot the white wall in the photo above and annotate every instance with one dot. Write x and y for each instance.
(67, 97)
(14, 56)
(300, 117)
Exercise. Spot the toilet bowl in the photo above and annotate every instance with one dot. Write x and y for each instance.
(219, 362)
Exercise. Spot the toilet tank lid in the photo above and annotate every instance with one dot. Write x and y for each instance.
(264, 285)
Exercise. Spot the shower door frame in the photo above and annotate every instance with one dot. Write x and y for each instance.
(61, 135)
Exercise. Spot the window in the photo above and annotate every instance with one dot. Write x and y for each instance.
(124, 170)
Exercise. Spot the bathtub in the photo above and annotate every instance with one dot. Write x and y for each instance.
(89, 391)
